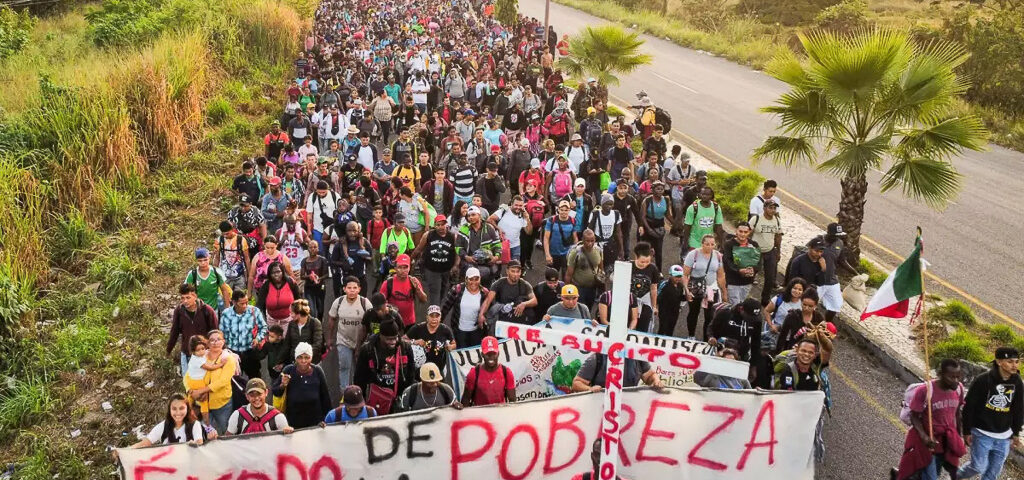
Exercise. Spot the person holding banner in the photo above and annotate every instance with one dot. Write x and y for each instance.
(511, 295)
(491, 382)
(352, 407)
(595, 458)
(570, 305)
(590, 377)
(257, 416)
(435, 338)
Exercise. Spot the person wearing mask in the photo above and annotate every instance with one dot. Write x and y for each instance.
(590, 377)
(491, 382)
(742, 258)
(464, 304)
(766, 231)
(257, 416)
(191, 317)
(304, 387)
(993, 413)
(740, 324)
(704, 279)
(429, 392)
(384, 367)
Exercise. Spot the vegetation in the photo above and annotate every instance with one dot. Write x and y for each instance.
(14, 30)
(754, 32)
(961, 345)
(875, 275)
(953, 312)
(603, 53)
(506, 11)
(733, 191)
(869, 101)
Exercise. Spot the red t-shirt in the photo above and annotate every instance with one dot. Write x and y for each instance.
(945, 404)
(490, 388)
(402, 296)
(375, 229)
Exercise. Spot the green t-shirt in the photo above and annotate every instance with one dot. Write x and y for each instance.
(702, 221)
(207, 289)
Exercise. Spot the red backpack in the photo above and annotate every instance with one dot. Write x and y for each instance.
(256, 425)
(535, 208)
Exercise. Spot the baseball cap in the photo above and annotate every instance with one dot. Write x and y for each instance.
(607, 197)
(430, 373)
(524, 142)
(255, 385)
(433, 309)
(440, 218)
(1003, 353)
(591, 110)
(535, 163)
(202, 252)
(489, 345)
(403, 259)
(575, 137)
(473, 210)
(570, 291)
(492, 166)
(472, 272)
(274, 180)
(816, 243)
(513, 264)
(772, 203)
(353, 396)
(244, 199)
(836, 229)
(675, 271)
(386, 151)
(399, 218)
(580, 183)
(495, 148)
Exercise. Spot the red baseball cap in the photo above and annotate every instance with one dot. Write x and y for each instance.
(440, 218)
(489, 345)
(495, 148)
(404, 259)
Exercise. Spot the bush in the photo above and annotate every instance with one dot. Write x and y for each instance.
(71, 237)
(786, 12)
(119, 274)
(238, 131)
(114, 206)
(846, 17)
(707, 15)
(14, 31)
(733, 191)
(875, 276)
(953, 312)
(1002, 334)
(78, 344)
(961, 345)
(991, 40)
(126, 22)
(218, 110)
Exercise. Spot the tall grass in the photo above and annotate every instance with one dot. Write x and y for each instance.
(23, 402)
(268, 30)
(733, 191)
(22, 252)
(71, 238)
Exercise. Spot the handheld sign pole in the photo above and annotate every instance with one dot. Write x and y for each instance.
(617, 326)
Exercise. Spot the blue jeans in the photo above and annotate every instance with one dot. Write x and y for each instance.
(515, 252)
(184, 364)
(931, 472)
(219, 417)
(458, 197)
(345, 365)
(319, 237)
(987, 456)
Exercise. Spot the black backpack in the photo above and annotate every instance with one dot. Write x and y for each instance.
(662, 117)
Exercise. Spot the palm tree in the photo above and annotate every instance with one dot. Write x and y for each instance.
(603, 52)
(874, 100)
(507, 12)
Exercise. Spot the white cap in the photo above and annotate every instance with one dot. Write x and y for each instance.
(580, 183)
(524, 142)
(535, 163)
(472, 272)
(303, 348)
(474, 209)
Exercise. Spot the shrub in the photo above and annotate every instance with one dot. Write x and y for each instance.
(707, 15)
(119, 274)
(78, 344)
(875, 276)
(846, 17)
(71, 237)
(14, 31)
(114, 206)
(126, 22)
(1002, 334)
(733, 191)
(218, 110)
(614, 111)
(786, 12)
(238, 131)
(991, 40)
(961, 345)
(954, 312)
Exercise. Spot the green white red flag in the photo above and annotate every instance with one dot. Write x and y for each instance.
(893, 298)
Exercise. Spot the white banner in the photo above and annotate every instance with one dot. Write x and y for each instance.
(544, 371)
(684, 434)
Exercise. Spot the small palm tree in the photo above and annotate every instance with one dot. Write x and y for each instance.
(603, 52)
(873, 100)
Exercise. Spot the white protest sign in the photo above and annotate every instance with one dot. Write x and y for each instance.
(691, 434)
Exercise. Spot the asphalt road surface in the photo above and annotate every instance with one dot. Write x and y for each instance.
(716, 102)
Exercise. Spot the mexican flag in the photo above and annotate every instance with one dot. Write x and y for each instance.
(893, 298)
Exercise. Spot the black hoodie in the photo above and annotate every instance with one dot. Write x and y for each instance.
(993, 404)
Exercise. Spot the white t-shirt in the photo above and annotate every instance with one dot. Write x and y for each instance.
(675, 174)
(511, 225)
(604, 225)
(469, 310)
(179, 433)
(313, 208)
(305, 150)
(364, 156)
(757, 204)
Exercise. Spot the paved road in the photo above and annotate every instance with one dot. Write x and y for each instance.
(716, 102)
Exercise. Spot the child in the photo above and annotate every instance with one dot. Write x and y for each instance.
(671, 294)
(374, 230)
(196, 375)
(275, 350)
(387, 265)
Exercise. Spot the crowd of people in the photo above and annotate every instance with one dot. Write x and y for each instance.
(426, 158)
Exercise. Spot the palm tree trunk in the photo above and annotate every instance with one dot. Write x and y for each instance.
(851, 213)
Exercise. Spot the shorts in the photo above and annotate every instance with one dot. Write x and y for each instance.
(831, 297)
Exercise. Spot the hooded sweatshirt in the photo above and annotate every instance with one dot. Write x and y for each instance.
(994, 405)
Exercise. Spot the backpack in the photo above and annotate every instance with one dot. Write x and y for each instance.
(255, 425)
(247, 246)
(535, 208)
(195, 276)
(562, 183)
(566, 239)
(662, 117)
(476, 373)
(908, 396)
(595, 224)
(786, 360)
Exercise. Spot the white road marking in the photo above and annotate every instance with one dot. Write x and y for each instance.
(673, 82)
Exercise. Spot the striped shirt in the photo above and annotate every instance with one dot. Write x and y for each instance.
(238, 328)
(464, 179)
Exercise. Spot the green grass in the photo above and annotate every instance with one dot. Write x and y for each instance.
(1002, 334)
(79, 343)
(614, 111)
(953, 312)
(218, 110)
(961, 345)
(24, 402)
(115, 206)
(733, 191)
(72, 238)
(875, 275)
(119, 274)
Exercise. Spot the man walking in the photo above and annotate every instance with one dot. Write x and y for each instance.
(440, 258)
(992, 416)
(766, 232)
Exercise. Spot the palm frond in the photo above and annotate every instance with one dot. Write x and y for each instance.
(943, 138)
(783, 150)
(853, 68)
(935, 182)
(604, 51)
(802, 112)
(787, 68)
(928, 84)
(853, 159)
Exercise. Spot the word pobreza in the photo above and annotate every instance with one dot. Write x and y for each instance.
(692, 434)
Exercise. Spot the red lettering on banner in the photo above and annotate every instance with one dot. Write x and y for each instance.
(456, 446)
(609, 415)
(144, 467)
(650, 432)
(503, 454)
(607, 471)
(651, 353)
(557, 425)
(631, 419)
(247, 475)
(533, 335)
(613, 377)
(328, 463)
(512, 332)
(593, 346)
(284, 461)
(571, 342)
(733, 415)
(684, 360)
(613, 353)
(767, 409)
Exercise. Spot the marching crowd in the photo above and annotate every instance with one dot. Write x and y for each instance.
(428, 156)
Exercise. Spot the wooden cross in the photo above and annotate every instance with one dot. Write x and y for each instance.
(618, 349)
